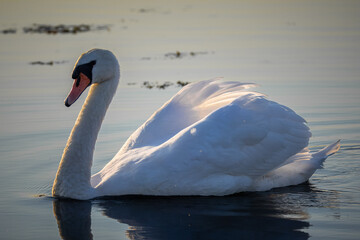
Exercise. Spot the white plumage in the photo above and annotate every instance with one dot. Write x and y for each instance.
(212, 138)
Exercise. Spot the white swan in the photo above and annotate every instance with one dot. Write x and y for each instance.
(211, 138)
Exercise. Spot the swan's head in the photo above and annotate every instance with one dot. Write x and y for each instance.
(93, 67)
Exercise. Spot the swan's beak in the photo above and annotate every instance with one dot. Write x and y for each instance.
(79, 86)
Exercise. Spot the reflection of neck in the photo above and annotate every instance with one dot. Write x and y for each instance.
(73, 219)
(73, 177)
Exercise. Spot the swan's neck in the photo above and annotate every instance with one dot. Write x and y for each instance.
(73, 176)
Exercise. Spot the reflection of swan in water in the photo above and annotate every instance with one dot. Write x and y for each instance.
(211, 138)
(232, 217)
(73, 218)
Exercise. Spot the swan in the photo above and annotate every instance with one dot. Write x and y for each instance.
(212, 138)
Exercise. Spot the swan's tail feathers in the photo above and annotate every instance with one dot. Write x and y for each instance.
(319, 157)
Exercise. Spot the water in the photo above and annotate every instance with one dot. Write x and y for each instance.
(303, 54)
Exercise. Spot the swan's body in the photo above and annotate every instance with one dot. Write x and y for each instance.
(211, 138)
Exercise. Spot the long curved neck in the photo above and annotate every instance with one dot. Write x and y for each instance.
(73, 176)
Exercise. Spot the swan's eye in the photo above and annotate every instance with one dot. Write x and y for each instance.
(85, 69)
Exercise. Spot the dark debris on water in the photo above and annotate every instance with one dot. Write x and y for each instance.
(49, 63)
(59, 28)
(179, 55)
(9, 31)
(156, 85)
(150, 85)
(181, 83)
(64, 29)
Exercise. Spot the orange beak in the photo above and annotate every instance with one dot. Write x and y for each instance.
(79, 86)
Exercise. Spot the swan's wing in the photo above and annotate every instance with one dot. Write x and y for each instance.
(248, 137)
(189, 105)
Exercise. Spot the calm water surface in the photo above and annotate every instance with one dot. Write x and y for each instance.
(303, 54)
